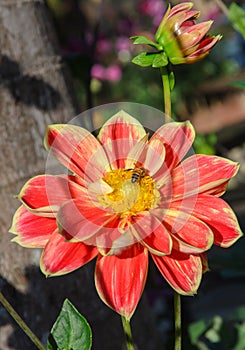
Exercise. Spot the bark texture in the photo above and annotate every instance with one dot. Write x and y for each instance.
(35, 91)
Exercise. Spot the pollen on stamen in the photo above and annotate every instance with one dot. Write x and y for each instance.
(127, 196)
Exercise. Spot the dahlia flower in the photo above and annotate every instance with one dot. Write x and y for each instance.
(127, 197)
(182, 39)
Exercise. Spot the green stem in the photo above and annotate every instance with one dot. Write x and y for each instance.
(177, 321)
(21, 323)
(128, 333)
(166, 93)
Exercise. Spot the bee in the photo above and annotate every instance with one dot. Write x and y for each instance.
(138, 173)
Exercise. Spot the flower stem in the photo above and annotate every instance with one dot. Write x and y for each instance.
(128, 333)
(177, 321)
(166, 93)
(21, 323)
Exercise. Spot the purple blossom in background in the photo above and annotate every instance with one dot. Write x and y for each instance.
(112, 73)
(98, 72)
(154, 9)
(123, 44)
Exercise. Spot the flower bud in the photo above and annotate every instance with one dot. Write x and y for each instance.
(182, 39)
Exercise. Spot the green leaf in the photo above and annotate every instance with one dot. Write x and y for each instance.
(196, 329)
(144, 59)
(241, 334)
(70, 331)
(236, 15)
(142, 40)
(160, 60)
(239, 84)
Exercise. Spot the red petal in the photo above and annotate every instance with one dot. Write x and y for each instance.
(220, 217)
(78, 150)
(149, 155)
(120, 279)
(177, 139)
(202, 174)
(189, 229)
(183, 7)
(152, 234)
(183, 272)
(205, 46)
(33, 231)
(118, 135)
(155, 156)
(82, 220)
(60, 257)
(44, 194)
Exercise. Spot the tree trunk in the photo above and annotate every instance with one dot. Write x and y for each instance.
(35, 91)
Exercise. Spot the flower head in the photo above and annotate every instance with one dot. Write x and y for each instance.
(182, 39)
(129, 196)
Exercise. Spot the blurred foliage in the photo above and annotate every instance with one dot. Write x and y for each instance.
(239, 84)
(205, 144)
(219, 334)
(236, 15)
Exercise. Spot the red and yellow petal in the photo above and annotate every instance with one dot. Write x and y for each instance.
(137, 153)
(150, 232)
(61, 257)
(220, 217)
(120, 279)
(205, 46)
(118, 135)
(182, 271)
(113, 241)
(83, 221)
(177, 139)
(77, 149)
(43, 194)
(149, 155)
(186, 228)
(202, 174)
(32, 231)
(189, 229)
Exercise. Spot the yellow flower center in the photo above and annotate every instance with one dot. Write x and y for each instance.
(133, 192)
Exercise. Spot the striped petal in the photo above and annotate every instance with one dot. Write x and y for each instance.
(81, 220)
(61, 257)
(177, 139)
(149, 155)
(202, 174)
(120, 279)
(78, 150)
(155, 156)
(152, 234)
(220, 217)
(44, 194)
(189, 230)
(32, 231)
(118, 135)
(183, 272)
(137, 153)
